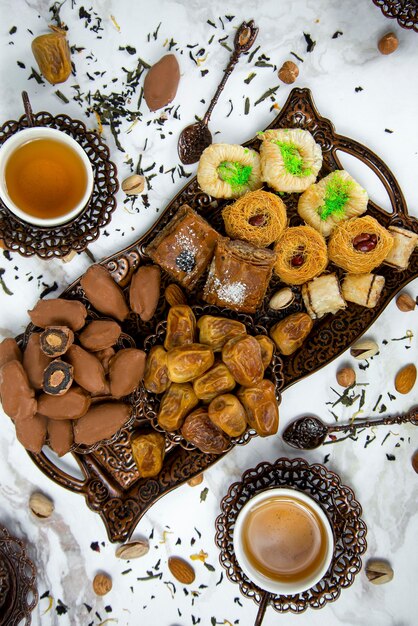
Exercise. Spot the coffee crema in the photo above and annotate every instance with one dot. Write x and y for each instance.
(284, 539)
(45, 178)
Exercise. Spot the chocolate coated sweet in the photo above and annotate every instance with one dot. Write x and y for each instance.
(88, 372)
(17, 396)
(161, 82)
(35, 361)
(60, 435)
(72, 405)
(126, 370)
(59, 312)
(104, 357)
(144, 291)
(55, 340)
(58, 377)
(9, 351)
(103, 293)
(101, 422)
(99, 335)
(32, 432)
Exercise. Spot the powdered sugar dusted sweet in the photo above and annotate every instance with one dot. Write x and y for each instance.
(229, 291)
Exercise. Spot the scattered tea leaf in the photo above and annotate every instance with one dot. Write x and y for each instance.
(203, 494)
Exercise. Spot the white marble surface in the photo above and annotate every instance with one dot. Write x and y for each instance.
(387, 490)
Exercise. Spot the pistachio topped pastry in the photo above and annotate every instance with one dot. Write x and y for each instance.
(228, 170)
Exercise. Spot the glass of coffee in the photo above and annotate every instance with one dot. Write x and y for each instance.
(46, 177)
(283, 541)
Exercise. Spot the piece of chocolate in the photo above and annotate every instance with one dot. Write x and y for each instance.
(103, 293)
(32, 432)
(104, 357)
(55, 340)
(99, 335)
(88, 372)
(9, 351)
(144, 291)
(35, 361)
(161, 82)
(72, 405)
(102, 421)
(126, 370)
(59, 312)
(58, 377)
(60, 435)
(17, 396)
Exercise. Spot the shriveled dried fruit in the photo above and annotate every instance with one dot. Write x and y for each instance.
(40, 505)
(148, 451)
(181, 570)
(364, 349)
(405, 378)
(174, 295)
(52, 54)
(378, 571)
(202, 432)
(195, 481)
(405, 303)
(346, 377)
(133, 549)
(102, 584)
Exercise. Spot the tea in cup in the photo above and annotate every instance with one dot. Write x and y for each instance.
(283, 541)
(46, 177)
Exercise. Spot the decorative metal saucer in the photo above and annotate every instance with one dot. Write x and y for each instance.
(404, 11)
(59, 241)
(18, 593)
(338, 502)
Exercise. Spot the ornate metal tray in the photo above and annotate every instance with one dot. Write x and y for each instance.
(59, 241)
(111, 484)
(17, 580)
(404, 11)
(338, 502)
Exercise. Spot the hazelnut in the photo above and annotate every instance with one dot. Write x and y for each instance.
(102, 584)
(133, 185)
(288, 72)
(346, 377)
(196, 480)
(388, 43)
(405, 303)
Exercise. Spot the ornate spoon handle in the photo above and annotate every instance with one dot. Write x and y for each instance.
(411, 416)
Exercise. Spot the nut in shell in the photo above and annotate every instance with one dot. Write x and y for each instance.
(364, 349)
(281, 299)
(378, 571)
(288, 72)
(181, 570)
(405, 378)
(174, 295)
(388, 43)
(133, 549)
(40, 505)
(405, 303)
(102, 584)
(133, 185)
(346, 377)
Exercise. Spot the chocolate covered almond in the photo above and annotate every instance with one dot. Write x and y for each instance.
(161, 82)
(104, 357)
(35, 361)
(101, 422)
(60, 435)
(144, 291)
(9, 351)
(59, 312)
(126, 370)
(17, 396)
(88, 372)
(72, 405)
(99, 335)
(32, 432)
(103, 293)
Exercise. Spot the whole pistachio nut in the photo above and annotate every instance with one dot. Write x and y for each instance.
(281, 299)
(133, 549)
(40, 505)
(364, 349)
(133, 185)
(378, 571)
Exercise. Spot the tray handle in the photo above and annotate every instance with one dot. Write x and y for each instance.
(375, 163)
(58, 475)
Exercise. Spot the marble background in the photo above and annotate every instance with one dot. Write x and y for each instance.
(334, 71)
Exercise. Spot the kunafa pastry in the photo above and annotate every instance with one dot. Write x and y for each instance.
(322, 295)
(258, 217)
(404, 242)
(301, 255)
(335, 198)
(363, 289)
(228, 170)
(359, 245)
(290, 159)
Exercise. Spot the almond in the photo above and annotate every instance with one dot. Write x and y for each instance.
(174, 295)
(405, 378)
(405, 303)
(181, 570)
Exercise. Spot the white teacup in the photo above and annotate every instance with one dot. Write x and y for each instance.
(287, 517)
(38, 132)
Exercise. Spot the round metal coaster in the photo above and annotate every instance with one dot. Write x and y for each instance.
(17, 580)
(59, 241)
(342, 509)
